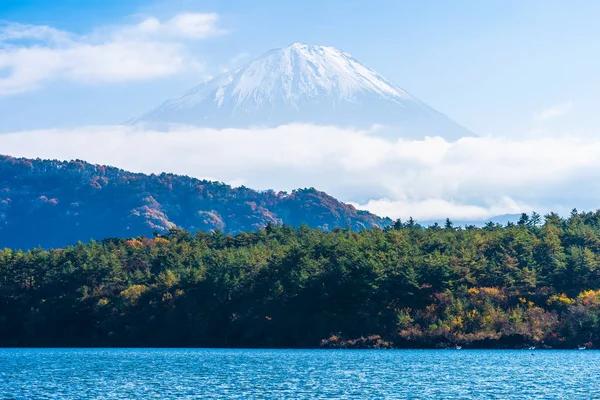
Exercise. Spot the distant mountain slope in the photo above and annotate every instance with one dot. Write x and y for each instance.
(54, 203)
(309, 84)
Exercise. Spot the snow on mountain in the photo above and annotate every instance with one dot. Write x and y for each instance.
(308, 84)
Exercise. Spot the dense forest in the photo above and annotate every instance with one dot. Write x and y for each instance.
(56, 203)
(536, 282)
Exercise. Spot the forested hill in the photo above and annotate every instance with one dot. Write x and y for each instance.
(54, 203)
(534, 283)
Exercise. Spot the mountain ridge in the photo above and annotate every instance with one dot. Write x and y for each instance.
(54, 203)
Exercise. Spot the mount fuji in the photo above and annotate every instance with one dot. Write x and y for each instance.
(305, 84)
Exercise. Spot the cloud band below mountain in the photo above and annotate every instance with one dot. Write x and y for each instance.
(472, 178)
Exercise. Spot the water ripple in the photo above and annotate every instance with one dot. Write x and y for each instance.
(297, 374)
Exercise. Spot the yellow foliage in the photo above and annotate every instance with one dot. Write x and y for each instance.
(487, 293)
(159, 240)
(561, 299)
(133, 293)
(457, 322)
(589, 297)
(134, 243)
(491, 291)
(487, 320)
(168, 278)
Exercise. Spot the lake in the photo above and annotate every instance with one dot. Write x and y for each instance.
(297, 374)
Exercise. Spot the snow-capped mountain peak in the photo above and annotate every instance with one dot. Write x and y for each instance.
(301, 69)
(304, 83)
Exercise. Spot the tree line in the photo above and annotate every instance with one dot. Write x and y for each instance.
(535, 282)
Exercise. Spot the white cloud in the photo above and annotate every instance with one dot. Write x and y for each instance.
(31, 56)
(440, 209)
(470, 179)
(15, 31)
(193, 26)
(556, 111)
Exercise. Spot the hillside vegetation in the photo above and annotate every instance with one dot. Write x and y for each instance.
(535, 282)
(55, 203)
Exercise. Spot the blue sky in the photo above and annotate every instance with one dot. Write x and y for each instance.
(489, 65)
(521, 74)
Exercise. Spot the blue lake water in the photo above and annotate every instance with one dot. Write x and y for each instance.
(297, 374)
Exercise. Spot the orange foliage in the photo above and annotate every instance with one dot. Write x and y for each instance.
(134, 243)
